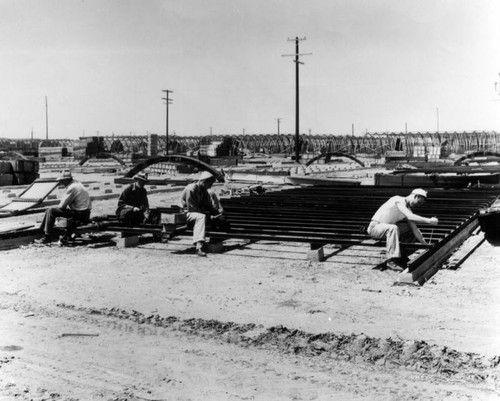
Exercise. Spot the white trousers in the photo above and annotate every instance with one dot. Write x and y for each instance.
(393, 234)
(199, 225)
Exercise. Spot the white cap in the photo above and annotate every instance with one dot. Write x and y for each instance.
(419, 191)
(65, 175)
(141, 176)
(205, 175)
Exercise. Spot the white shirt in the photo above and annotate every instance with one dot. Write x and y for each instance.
(76, 197)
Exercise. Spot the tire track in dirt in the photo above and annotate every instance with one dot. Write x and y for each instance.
(417, 356)
(310, 364)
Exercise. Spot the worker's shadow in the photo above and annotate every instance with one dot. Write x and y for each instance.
(225, 248)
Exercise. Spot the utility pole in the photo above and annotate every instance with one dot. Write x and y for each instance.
(46, 119)
(297, 62)
(167, 102)
(278, 120)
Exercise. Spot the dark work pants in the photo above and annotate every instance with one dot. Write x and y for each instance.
(73, 218)
(130, 218)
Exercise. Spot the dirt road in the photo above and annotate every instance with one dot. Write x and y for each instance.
(258, 322)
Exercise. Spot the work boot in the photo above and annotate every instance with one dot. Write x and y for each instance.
(45, 240)
(199, 249)
(200, 252)
(395, 265)
(63, 241)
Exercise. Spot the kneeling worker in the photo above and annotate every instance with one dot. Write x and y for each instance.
(75, 205)
(197, 202)
(394, 221)
(133, 204)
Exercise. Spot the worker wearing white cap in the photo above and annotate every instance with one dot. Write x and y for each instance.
(394, 221)
(199, 206)
(75, 206)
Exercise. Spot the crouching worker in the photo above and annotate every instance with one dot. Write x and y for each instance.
(395, 222)
(200, 208)
(75, 207)
(133, 204)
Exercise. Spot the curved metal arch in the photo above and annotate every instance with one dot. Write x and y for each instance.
(11, 153)
(487, 140)
(394, 142)
(475, 154)
(176, 159)
(241, 141)
(380, 142)
(370, 144)
(109, 155)
(336, 154)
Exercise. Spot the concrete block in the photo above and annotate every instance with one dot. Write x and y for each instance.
(127, 242)
(96, 188)
(107, 183)
(108, 191)
(317, 255)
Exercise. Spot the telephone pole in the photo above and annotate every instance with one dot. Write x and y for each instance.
(167, 102)
(278, 120)
(46, 119)
(297, 62)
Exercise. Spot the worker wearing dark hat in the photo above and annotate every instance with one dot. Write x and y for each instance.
(199, 206)
(75, 206)
(395, 222)
(133, 203)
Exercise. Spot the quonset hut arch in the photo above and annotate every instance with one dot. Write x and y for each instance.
(175, 159)
(101, 156)
(13, 154)
(336, 154)
(473, 155)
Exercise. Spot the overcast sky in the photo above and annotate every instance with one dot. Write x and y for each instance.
(377, 64)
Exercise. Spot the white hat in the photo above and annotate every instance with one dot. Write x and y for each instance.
(420, 191)
(65, 175)
(205, 175)
(141, 176)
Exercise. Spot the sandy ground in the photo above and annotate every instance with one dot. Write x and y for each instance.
(257, 322)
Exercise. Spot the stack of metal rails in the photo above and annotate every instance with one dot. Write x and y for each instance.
(322, 215)
(336, 216)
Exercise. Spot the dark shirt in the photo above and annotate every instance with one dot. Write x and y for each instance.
(133, 196)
